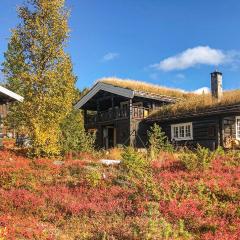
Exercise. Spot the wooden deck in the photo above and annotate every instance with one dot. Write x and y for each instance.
(116, 114)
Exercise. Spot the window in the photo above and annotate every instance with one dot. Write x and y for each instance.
(211, 131)
(238, 128)
(183, 131)
(175, 134)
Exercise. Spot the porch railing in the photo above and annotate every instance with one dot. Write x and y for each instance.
(117, 113)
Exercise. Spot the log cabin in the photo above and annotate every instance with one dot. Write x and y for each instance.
(121, 112)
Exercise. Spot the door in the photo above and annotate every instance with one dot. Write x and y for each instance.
(109, 137)
(105, 138)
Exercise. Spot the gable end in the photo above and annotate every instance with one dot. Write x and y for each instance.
(104, 87)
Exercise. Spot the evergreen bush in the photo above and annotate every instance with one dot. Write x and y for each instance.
(158, 141)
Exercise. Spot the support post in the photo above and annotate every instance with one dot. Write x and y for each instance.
(113, 112)
(131, 127)
(219, 136)
(221, 124)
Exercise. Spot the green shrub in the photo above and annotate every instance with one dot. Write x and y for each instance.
(74, 137)
(18, 179)
(137, 173)
(232, 158)
(200, 159)
(157, 141)
(179, 189)
(93, 176)
(155, 226)
(133, 163)
(189, 160)
(219, 152)
(77, 174)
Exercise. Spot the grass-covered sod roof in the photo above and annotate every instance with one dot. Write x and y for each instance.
(146, 87)
(197, 104)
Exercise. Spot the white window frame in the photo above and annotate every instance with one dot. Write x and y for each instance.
(179, 125)
(237, 135)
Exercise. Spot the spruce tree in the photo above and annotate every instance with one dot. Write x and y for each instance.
(158, 141)
(37, 67)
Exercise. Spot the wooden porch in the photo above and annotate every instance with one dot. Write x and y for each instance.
(116, 114)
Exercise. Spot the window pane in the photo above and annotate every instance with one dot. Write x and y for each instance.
(175, 135)
(181, 131)
(188, 131)
(211, 131)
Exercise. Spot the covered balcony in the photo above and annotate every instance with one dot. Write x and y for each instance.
(116, 114)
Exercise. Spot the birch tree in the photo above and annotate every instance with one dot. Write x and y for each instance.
(38, 67)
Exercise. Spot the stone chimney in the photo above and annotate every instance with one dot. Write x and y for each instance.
(216, 85)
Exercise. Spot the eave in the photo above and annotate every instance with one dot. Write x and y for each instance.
(9, 96)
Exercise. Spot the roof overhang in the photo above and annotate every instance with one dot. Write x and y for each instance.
(124, 92)
(9, 96)
(104, 87)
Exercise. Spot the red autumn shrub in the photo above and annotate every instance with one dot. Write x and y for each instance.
(20, 200)
(187, 209)
(55, 199)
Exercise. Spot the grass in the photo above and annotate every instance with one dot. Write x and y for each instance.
(196, 104)
(146, 87)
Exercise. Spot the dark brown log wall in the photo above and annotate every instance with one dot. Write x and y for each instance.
(208, 131)
(122, 131)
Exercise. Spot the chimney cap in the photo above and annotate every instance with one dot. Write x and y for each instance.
(216, 72)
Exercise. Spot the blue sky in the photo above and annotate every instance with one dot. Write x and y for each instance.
(168, 42)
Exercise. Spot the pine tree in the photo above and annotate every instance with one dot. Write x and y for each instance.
(37, 67)
(74, 137)
(157, 141)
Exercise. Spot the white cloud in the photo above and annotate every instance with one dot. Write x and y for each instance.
(233, 59)
(202, 90)
(192, 57)
(110, 56)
